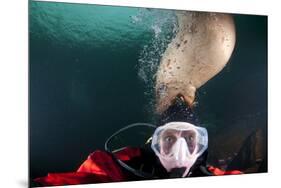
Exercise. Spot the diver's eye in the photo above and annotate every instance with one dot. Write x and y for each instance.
(169, 139)
(189, 138)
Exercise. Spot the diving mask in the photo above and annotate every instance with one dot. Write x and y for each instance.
(179, 144)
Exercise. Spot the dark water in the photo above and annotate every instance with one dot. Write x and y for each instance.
(91, 73)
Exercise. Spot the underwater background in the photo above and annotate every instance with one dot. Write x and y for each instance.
(92, 69)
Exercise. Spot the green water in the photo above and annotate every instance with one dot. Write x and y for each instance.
(91, 73)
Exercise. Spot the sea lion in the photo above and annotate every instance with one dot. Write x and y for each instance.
(200, 49)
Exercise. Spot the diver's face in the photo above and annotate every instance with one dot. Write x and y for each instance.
(170, 137)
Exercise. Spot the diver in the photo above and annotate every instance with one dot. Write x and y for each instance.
(178, 148)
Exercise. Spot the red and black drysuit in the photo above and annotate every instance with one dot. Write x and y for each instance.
(101, 167)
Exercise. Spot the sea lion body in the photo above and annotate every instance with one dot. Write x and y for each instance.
(201, 48)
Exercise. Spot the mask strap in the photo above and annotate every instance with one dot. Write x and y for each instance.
(124, 128)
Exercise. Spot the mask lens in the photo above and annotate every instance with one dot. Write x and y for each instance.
(190, 138)
(168, 139)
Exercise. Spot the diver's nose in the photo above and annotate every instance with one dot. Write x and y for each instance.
(181, 151)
